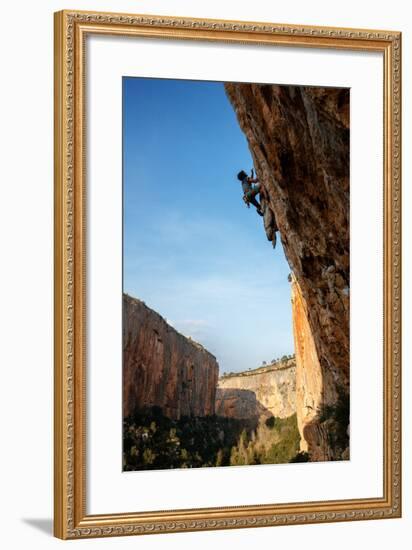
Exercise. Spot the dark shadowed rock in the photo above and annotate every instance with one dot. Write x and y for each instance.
(238, 403)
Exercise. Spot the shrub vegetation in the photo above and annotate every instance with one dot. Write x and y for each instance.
(152, 441)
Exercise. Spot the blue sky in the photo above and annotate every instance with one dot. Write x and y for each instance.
(192, 250)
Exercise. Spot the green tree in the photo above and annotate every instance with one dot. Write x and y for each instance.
(219, 458)
(148, 456)
(234, 456)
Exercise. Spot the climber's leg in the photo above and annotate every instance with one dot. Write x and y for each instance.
(251, 198)
(252, 195)
(253, 201)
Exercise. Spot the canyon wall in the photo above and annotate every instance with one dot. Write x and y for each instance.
(163, 368)
(299, 141)
(267, 391)
(312, 384)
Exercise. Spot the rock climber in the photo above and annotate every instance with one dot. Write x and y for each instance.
(251, 188)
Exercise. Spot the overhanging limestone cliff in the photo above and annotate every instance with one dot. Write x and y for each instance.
(163, 368)
(299, 140)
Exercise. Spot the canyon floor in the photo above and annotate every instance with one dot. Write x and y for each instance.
(154, 441)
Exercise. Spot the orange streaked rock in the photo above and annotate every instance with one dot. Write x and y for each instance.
(163, 368)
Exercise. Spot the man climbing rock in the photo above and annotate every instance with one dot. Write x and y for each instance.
(263, 208)
(250, 191)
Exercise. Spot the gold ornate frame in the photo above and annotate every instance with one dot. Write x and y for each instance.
(70, 518)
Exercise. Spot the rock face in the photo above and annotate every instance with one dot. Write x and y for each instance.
(163, 368)
(238, 403)
(299, 140)
(267, 391)
(310, 382)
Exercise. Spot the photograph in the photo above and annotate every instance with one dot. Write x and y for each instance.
(205, 323)
(227, 273)
(236, 274)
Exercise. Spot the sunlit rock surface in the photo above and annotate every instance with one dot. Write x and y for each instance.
(267, 391)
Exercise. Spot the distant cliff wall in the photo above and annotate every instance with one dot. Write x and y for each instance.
(267, 391)
(163, 368)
